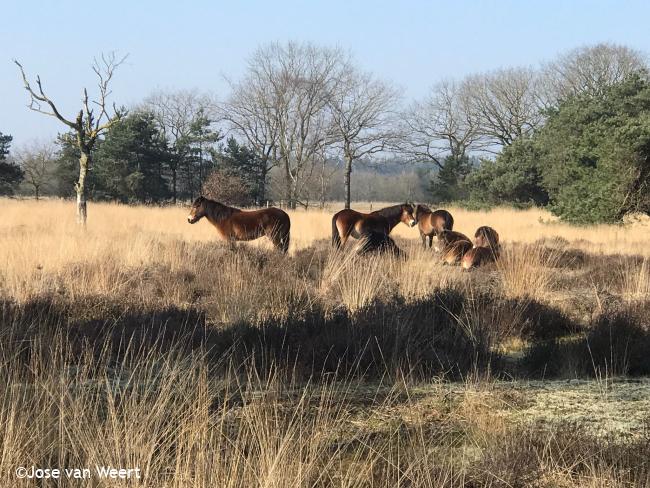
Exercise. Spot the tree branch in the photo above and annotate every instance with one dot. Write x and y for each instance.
(35, 98)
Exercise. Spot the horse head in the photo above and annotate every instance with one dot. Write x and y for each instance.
(420, 211)
(408, 214)
(197, 210)
(486, 236)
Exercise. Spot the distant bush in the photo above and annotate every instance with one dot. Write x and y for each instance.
(227, 187)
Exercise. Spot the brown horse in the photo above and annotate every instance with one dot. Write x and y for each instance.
(456, 251)
(431, 223)
(453, 245)
(477, 256)
(448, 237)
(486, 248)
(348, 222)
(378, 242)
(487, 237)
(233, 224)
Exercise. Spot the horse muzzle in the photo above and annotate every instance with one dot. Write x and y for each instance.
(191, 220)
(412, 223)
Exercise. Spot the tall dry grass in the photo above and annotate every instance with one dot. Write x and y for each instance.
(266, 382)
(42, 250)
(183, 426)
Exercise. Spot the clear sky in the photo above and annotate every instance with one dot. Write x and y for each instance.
(193, 44)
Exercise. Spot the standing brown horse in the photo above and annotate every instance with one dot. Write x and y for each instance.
(233, 224)
(431, 223)
(348, 222)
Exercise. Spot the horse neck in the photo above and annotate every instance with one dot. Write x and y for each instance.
(218, 212)
(393, 217)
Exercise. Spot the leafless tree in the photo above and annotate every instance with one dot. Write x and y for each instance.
(363, 115)
(503, 105)
(285, 93)
(248, 113)
(177, 114)
(95, 118)
(590, 70)
(440, 125)
(324, 178)
(37, 162)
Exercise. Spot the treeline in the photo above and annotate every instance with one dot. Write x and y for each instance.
(135, 164)
(304, 125)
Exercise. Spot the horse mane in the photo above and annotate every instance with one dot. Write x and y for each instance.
(218, 211)
(390, 212)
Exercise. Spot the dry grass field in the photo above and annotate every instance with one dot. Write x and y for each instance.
(143, 342)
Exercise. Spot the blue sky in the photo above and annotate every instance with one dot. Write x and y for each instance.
(194, 44)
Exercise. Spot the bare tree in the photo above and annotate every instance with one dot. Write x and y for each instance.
(89, 124)
(590, 70)
(440, 125)
(249, 113)
(503, 105)
(324, 177)
(288, 89)
(362, 110)
(37, 162)
(180, 115)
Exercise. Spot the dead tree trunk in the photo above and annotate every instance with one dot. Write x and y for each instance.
(80, 188)
(90, 123)
(346, 179)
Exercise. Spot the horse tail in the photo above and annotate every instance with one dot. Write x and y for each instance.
(336, 238)
(449, 222)
(285, 238)
(284, 242)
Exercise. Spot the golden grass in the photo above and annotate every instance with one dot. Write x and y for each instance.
(169, 413)
(42, 250)
(528, 270)
(636, 280)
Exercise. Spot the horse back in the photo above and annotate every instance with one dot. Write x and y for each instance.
(361, 223)
(347, 216)
(442, 220)
(249, 224)
(449, 237)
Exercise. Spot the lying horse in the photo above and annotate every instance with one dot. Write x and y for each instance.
(453, 246)
(477, 256)
(432, 223)
(456, 251)
(487, 237)
(233, 224)
(348, 222)
(486, 248)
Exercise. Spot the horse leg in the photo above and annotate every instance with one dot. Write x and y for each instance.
(284, 241)
(344, 233)
(280, 239)
(423, 238)
(278, 234)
